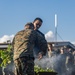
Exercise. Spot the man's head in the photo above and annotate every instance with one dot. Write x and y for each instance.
(37, 23)
(29, 25)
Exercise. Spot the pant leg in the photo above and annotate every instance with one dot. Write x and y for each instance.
(18, 68)
(24, 66)
(30, 64)
(27, 66)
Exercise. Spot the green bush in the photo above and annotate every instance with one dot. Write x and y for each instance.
(6, 56)
(39, 69)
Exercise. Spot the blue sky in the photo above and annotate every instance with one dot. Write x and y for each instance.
(14, 14)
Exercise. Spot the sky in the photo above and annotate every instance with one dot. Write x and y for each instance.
(14, 14)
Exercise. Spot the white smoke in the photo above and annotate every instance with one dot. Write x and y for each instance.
(6, 38)
(56, 63)
(49, 36)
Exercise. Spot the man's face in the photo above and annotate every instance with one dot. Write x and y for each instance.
(37, 24)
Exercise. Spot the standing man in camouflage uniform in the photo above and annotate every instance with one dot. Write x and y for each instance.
(37, 24)
(23, 44)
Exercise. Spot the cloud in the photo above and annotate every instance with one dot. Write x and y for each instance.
(49, 36)
(5, 38)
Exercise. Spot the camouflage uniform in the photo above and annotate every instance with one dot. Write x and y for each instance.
(23, 44)
(42, 47)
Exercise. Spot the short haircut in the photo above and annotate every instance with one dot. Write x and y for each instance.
(29, 25)
(38, 19)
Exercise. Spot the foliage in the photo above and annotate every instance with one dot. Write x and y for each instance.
(6, 56)
(38, 69)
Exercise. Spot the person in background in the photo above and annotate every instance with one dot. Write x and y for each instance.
(69, 61)
(50, 51)
(60, 63)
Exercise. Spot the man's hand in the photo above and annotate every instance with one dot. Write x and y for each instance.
(40, 56)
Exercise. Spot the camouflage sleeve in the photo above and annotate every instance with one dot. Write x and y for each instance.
(13, 41)
(42, 44)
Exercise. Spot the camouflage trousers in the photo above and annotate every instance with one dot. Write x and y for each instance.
(24, 66)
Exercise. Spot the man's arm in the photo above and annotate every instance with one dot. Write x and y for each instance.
(42, 45)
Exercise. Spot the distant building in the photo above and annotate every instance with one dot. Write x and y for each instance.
(60, 44)
(57, 45)
(4, 45)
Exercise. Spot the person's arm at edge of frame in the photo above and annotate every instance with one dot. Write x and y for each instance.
(43, 47)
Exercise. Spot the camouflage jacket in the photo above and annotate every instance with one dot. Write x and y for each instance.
(24, 41)
(43, 44)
